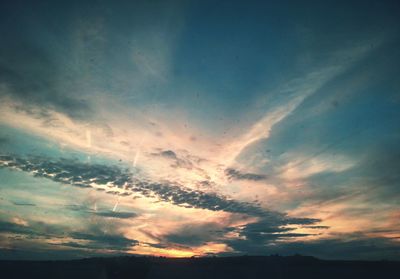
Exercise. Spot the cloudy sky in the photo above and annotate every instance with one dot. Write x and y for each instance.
(199, 128)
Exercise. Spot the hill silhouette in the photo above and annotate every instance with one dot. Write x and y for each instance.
(207, 267)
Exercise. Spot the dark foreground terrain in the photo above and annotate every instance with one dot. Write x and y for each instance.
(227, 267)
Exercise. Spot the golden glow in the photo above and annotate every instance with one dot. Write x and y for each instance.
(208, 248)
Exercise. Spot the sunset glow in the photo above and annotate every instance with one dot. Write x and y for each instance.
(194, 128)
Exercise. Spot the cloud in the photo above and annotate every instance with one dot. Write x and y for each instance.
(121, 182)
(317, 227)
(234, 174)
(102, 213)
(351, 246)
(31, 230)
(344, 247)
(272, 228)
(102, 241)
(36, 84)
(4, 140)
(177, 162)
(296, 90)
(96, 237)
(10, 227)
(168, 154)
(23, 203)
(268, 230)
(196, 234)
(261, 233)
(268, 226)
(116, 214)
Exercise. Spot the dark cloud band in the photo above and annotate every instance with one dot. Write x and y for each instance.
(271, 225)
(114, 180)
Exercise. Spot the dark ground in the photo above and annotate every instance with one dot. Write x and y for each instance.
(224, 267)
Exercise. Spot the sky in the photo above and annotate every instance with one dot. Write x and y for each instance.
(198, 128)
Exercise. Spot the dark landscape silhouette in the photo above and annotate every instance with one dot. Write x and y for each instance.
(208, 267)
